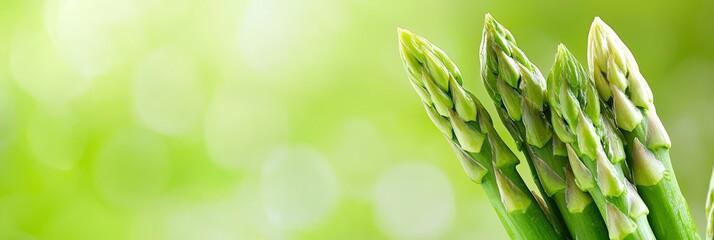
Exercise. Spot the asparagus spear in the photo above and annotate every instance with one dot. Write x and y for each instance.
(623, 89)
(577, 121)
(468, 128)
(709, 210)
(518, 91)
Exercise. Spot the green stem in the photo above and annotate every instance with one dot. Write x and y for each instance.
(586, 224)
(467, 125)
(667, 205)
(519, 225)
(595, 150)
(623, 89)
(643, 228)
(518, 91)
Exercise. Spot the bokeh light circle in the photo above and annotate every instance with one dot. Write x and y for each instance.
(57, 138)
(414, 201)
(298, 188)
(132, 169)
(167, 95)
(242, 126)
(39, 71)
(93, 36)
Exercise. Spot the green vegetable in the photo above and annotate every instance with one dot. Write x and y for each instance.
(623, 89)
(573, 99)
(518, 90)
(468, 128)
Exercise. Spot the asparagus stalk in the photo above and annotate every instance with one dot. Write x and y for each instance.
(518, 90)
(709, 210)
(578, 122)
(468, 128)
(623, 89)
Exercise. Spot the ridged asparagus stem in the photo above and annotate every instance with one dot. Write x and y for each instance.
(468, 127)
(623, 89)
(578, 122)
(518, 91)
(709, 209)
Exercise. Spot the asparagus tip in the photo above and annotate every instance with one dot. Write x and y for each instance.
(562, 49)
(404, 34)
(489, 20)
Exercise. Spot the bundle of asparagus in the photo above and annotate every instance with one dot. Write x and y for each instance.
(468, 128)
(597, 150)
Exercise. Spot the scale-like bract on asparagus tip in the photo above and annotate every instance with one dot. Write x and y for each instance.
(576, 200)
(511, 99)
(464, 104)
(442, 101)
(533, 87)
(607, 177)
(423, 94)
(640, 91)
(615, 76)
(503, 156)
(474, 170)
(657, 136)
(588, 140)
(508, 69)
(559, 147)
(488, 59)
(619, 225)
(617, 55)
(469, 137)
(438, 71)
(513, 198)
(615, 148)
(410, 65)
(518, 54)
(551, 181)
(603, 88)
(484, 119)
(592, 103)
(569, 105)
(626, 114)
(561, 129)
(450, 65)
(442, 123)
(501, 44)
(637, 207)
(583, 176)
(647, 169)
(538, 131)
(553, 91)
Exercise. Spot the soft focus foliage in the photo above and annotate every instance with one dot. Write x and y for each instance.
(280, 119)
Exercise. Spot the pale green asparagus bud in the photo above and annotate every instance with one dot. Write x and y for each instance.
(623, 89)
(517, 83)
(576, 106)
(518, 90)
(465, 123)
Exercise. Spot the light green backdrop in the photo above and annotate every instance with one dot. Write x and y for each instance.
(283, 119)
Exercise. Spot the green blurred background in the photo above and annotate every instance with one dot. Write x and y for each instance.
(282, 119)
